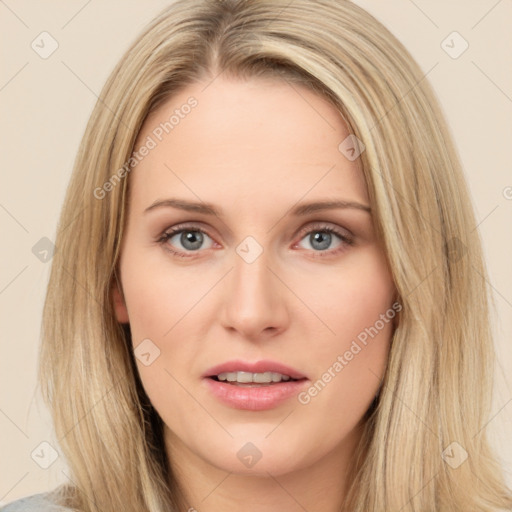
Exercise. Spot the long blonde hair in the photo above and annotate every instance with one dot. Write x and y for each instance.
(436, 390)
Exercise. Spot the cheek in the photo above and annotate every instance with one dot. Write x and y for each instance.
(351, 356)
(157, 306)
(350, 298)
(155, 300)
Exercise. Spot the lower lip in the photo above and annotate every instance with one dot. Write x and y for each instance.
(258, 398)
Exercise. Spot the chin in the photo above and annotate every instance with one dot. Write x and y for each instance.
(258, 456)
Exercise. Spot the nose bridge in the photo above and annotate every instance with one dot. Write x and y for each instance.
(251, 276)
(254, 303)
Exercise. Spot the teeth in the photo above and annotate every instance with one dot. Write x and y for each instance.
(247, 377)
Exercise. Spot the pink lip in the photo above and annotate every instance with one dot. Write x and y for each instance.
(256, 367)
(256, 398)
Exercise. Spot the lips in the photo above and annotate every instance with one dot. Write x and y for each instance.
(254, 367)
(255, 396)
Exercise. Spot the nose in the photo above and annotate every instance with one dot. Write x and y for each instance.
(254, 304)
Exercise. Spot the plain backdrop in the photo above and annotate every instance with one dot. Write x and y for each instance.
(46, 102)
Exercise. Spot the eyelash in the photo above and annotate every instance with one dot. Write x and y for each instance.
(346, 240)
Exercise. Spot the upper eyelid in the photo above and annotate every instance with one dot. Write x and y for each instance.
(312, 226)
(192, 225)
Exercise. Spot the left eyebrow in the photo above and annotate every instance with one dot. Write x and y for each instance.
(306, 208)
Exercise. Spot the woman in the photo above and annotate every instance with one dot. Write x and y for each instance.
(268, 296)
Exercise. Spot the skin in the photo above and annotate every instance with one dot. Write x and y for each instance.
(254, 149)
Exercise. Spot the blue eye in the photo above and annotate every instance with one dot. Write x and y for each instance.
(321, 239)
(186, 242)
(191, 239)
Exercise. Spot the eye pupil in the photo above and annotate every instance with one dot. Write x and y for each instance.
(322, 238)
(191, 239)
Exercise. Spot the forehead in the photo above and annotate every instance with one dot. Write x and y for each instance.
(245, 139)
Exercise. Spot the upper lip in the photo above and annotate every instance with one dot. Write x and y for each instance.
(254, 367)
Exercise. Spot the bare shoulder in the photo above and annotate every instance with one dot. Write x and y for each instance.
(42, 502)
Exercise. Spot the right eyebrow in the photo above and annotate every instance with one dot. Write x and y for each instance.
(189, 206)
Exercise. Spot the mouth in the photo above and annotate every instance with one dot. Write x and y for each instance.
(253, 380)
(259, 372)
(255, 386)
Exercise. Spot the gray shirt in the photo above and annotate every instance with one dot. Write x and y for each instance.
(41, 502)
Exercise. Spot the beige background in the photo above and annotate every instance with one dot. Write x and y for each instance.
(45, 104)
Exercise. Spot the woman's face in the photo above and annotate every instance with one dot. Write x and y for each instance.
(264, 282)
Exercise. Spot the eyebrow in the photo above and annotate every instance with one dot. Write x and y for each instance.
(299, 210)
